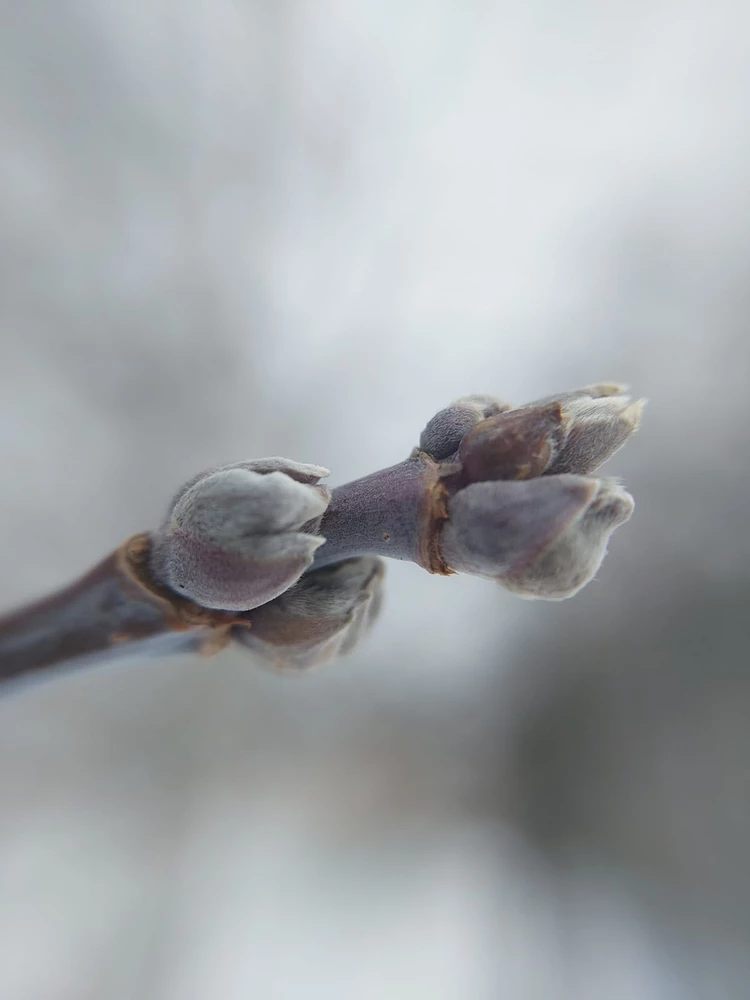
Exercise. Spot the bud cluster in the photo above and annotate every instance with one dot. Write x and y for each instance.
(501, 492)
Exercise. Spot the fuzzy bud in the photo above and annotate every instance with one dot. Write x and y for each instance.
(574, 432)
(239, 536)
(594, 429)
(541, 538)
(572, 560)
(321, 617)
(443, 434)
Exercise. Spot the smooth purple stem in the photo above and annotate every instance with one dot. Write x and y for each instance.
(107, 613)
(379, 514)
(102, 614)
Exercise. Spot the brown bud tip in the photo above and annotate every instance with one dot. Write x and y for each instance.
(519, 444)
(574, 432)
(442, 435)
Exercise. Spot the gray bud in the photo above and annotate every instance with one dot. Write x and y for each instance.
(600, 390)
(301, 472)
(595, 428)
(572, 560)
(237, 538)
(321, 617)
(574, 432)
(232, 507)
(540, 538)
(495, 527)
(442, 435)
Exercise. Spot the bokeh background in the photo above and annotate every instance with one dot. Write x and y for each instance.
(231, 229)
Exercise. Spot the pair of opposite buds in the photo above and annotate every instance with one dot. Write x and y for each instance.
(491, 490)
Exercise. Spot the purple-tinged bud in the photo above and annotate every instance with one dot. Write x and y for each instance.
(519, 444)
(573, 559)
(575, 432)
(596, 391)
(540, 538)
(595, 429)
(443, 434)
(300, 471)
(493, 528)
(321, 617)
(240, 536)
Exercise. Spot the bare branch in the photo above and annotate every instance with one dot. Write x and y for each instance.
(262, 554)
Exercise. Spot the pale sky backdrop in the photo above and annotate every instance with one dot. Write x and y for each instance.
(232, 229)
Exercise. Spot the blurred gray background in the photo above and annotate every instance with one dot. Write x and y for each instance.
(232, 229)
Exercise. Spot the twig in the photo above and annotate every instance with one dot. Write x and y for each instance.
(261, 553)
